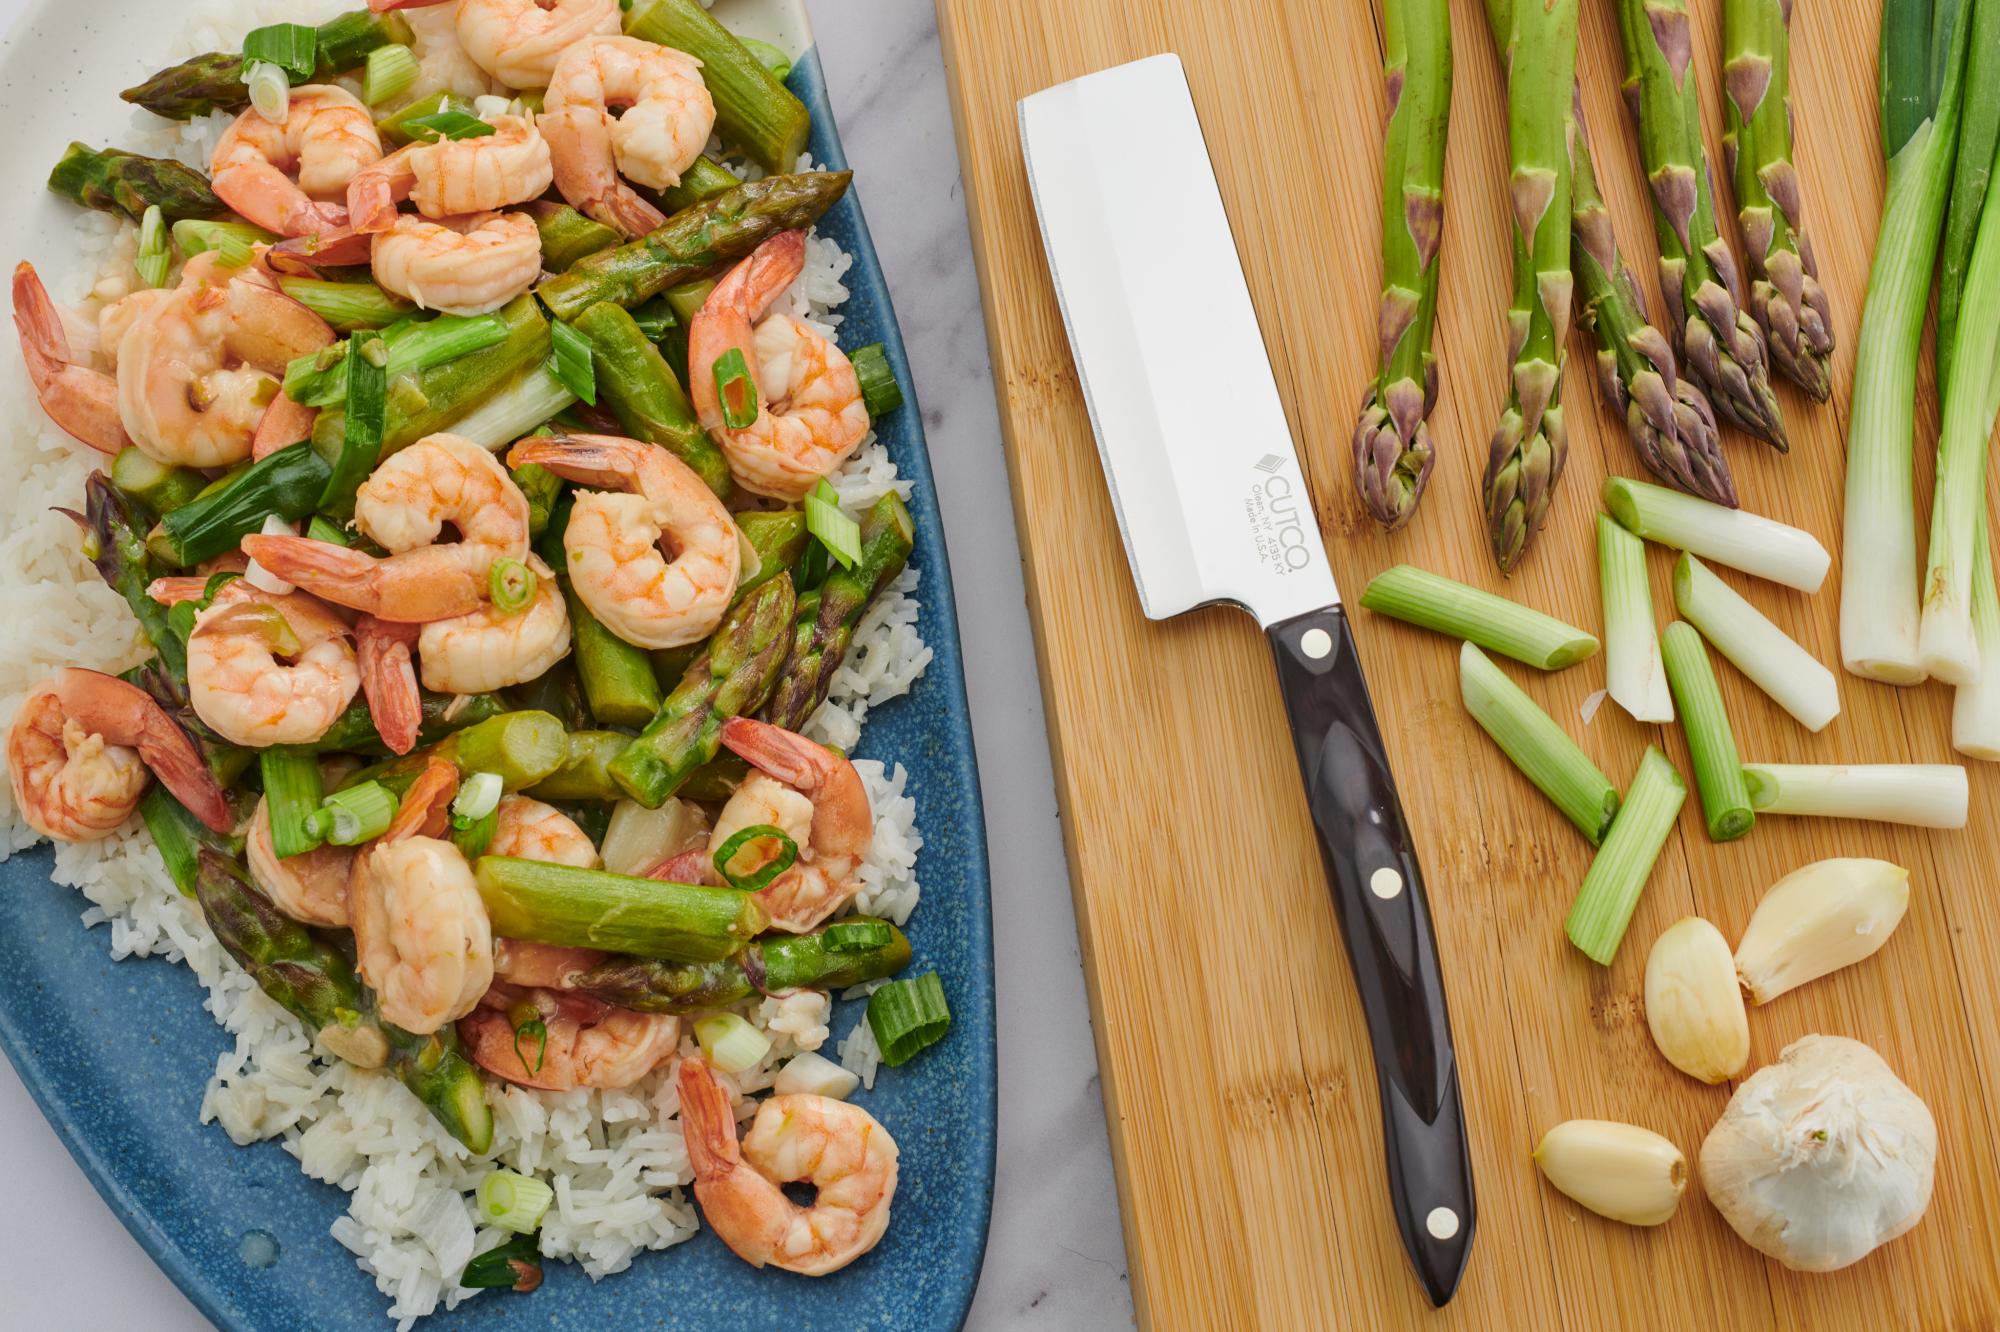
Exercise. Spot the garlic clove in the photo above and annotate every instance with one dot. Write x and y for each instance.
(1693, 1004)
(1617, 1170)
(1819, 919)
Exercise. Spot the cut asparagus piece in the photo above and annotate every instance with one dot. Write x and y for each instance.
(567, 235)
(752, 108)
(826, 621)
(1537, 746)
(1922, 795)
(1610, 892)
(634, 381)
(1718, 771)
(1785, 295)
(772, 964)
(586, 908)
(1745, 541)
(521, 748)
(1758, 648)
(1392, 442)
(1432, 601)
(1634, 675)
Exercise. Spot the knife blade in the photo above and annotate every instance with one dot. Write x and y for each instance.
(1212, 507)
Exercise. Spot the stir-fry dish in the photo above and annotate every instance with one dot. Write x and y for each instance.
(487, 563)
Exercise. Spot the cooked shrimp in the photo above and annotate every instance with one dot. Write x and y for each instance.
(287, 177)
(584, 1042)
(666, 119)
(492, 649)
(81, 747)
(421, 937)
(818, 799)
(311, 888)
(404, 506)
(809, 412)
(534, 831)
(198, 369)
(519, 41)
(448, 178)
(382, 651)
(266, 668)
(540, 965)
(442, 64)
(841, 1149)
(615, 541)
(83, 401)
(462, 265)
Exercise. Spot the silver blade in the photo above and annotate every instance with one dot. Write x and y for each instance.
(1210, 497)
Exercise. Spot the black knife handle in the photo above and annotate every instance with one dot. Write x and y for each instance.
(1378, 895)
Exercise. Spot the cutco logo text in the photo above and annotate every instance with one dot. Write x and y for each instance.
(1276, 512)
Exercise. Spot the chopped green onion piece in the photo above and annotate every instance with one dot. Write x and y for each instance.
(571, 363)
(856, 936)
(172, 828)
(1759, 648)
(1632, 671)
(825, 519)
(776, 862)
(908, 1016)
(478, 796)
(269, 624)
(510, 1201)
(194, 235)
(511, 584)
(270, 90)
(391, 69)
(291, 796)
(358, 814)
(736, 389)
(517, 1263)
(1541, 749)
(1718, 772)
(769, 56)
(292, 47)
(880, 392)
(180, 619)
(153, 260)
(1610, 891)
(529, 1026)
(1431, 601)
(447, 125)
(324, 529)
(474, 837)
(730, 1043)
(1756, 545)
(654, 318)
(1921, 795)
(367, 414)
(348, 306)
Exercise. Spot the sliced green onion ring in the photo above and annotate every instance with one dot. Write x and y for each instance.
(478, 796)
(270, 90)
(513, 1202)
(825, 519)
(856, 936)
(153, 259)
(391, 69)
(786, 855)
(908, 1016)
(736, 389)
(730, 1042)
(511, 584)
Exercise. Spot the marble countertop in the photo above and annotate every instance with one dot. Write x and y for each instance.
(1056, 1257)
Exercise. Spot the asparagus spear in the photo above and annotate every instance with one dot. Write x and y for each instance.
(585, 771)
(1392, 443)
(694, 243)
(589, 908)
(773, 963)
(1785, 295)
(826, 620)
(287, 483)
(732, 678)
(1530, 443)
(521, 748)
(214, 82)
(567, 235)
(752, 108)
(114, 181)
(156, 486)
(1670, 420)
(634, 382)
(112, 541)
(315, 982)
(1719, 343)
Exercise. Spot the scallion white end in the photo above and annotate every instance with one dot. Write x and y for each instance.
(515, 410)
(1746, 541)
(730, 1042)
(256, 574)
(513, 1202)
(1633, 671)
(1975, 708)
(1758, 648)
(810, 1074)
(1922, 795)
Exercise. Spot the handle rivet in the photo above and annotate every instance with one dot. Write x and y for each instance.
(1315, 643)
(1442, 1223)
(1385, 883)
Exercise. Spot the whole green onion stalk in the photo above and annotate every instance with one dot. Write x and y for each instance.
(1392, 442)
(1921, 93)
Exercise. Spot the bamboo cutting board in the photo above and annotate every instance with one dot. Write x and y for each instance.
(1237, 1080)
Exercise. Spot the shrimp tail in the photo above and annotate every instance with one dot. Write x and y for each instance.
(310, 255)
(361, 582)
(605, 462)
(694, 865)
(785, 755)
(708, 1122)
(173, 590)
(80, 400)
(384, 6)
(754, 285)
(426, 807)
(125, 714)
(389, 680)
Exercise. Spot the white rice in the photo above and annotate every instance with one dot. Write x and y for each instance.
(614, 1158)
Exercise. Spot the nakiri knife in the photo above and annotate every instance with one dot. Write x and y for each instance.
(1213, 507)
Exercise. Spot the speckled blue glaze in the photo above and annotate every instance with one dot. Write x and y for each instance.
(117, 1054)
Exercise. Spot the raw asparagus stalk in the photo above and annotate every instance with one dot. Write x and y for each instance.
(1392, 443)
(752, 108)
(567, 235)
(1537, 746)
(1718, 772)
(1785, 295)
(1525, 458)
(214, 82)
(1432, 601)
(1719, 343)
(634, 382)
(819, 644)
(114, 181)
(1618, 874)
(1668, 416)
(587, 908)
(287, 483)
(585, 771)
(1922, 91)
(770, 965)
(732, 678)
(696, 242)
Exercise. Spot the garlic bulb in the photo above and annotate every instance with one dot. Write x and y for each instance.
(1822, 1156)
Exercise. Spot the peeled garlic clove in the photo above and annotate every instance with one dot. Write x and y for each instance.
(1819, 919)
(1617, 1170)
(1693, 1004)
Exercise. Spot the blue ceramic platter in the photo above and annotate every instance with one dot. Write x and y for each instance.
(117, 1053)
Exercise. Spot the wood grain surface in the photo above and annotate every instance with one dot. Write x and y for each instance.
(1237, 1079)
